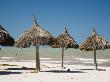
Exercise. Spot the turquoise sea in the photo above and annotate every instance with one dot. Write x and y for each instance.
(47, 54)
(53, 53)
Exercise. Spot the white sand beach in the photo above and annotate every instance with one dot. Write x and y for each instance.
(23, 71)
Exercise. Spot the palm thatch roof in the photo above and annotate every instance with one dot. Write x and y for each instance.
(94, 42)
(64, 40)
(35, 36)
(5, 38)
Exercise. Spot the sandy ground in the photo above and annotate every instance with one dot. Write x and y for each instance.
(23, 71)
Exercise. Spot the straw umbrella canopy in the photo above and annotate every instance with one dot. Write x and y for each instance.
(5, 38)
(64, 41)
(93, 43)
(35, 36)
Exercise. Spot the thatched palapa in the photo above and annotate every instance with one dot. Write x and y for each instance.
(36, 36)
(5, 38)
(64, 41)
(93, 43)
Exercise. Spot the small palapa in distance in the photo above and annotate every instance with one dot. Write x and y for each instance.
(64, 41)
(93, 43)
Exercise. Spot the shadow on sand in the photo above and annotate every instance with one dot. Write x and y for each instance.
(8, 72)
(94, 69)
(23, 68)
(86, 69)
(60, 71)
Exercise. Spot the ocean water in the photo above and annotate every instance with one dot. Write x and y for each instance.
(50, 53)
(53, 55)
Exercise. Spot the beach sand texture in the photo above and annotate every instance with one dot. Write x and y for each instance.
(16, 67)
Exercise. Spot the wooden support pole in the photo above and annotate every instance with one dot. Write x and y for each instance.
(95, 61)
(62, 56)
(37, 59)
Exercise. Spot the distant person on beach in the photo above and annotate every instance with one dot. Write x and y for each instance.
(16, 54)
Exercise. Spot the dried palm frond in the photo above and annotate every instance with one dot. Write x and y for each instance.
(5, 38)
